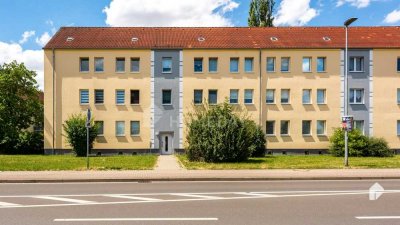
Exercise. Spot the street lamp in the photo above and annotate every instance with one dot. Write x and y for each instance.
(347, 23)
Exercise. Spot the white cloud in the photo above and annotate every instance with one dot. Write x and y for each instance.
(295, 13)
(169, 13)
(356, 3)
(26, 35)
(392, 17)
(42, 40)
(33, 59)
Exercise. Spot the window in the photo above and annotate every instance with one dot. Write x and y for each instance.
(120, 128)
(306, 96)
(166, 97)
(84, 97)
(84, 64)
(359, 125)
(321, 67)
(321, 127)
(356, 64)
(285, 64)
(356, 96)
(234, 65)
(306, 127)
(135, 128)
(270, 127)
(234, 96)
(198, 65)
(135, 64)
(248, 64)
(285, 127)
(321, 96)
(167, 65)
(198, 97)
(212, 65)
(270, 64)
(212, 96)
(100, 129)
(398, 127)
(120, 65)
(307, 64)
(99, 64)
(98, 96)
(398, 64)
(285, 96)
(398, 95)
(270, 98)
(120, 97)
(135, 97)
(248, 96)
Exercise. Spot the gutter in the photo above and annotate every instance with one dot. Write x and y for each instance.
(54, 63)
(260, 86)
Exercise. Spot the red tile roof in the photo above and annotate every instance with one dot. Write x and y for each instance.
(223, 37)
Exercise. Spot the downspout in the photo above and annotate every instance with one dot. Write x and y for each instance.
(54, 60)
(260, 88)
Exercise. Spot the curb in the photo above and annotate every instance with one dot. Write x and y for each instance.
(149, 180)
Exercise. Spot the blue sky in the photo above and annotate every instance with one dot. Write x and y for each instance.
(40, 19)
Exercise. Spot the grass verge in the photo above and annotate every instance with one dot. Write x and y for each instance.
(69, 162)
(296, 162)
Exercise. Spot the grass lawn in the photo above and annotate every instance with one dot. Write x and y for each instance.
(296, 162)
(69, 162)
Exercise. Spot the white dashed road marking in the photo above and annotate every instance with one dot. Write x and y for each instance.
(70, 200)
(132, 219)
(5, 204)
(133, 197)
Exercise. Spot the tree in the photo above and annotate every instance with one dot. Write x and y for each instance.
(217, 134)
(75, 132)
(260, 13)
(20, 107)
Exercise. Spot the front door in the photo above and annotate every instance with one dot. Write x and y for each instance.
(166, 144)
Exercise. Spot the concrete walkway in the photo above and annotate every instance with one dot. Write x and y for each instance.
(167, 163)
(195, 175)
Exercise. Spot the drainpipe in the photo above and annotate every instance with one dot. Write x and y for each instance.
(260, 87)
(54, 63)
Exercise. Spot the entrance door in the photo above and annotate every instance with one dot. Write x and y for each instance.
(166, 144)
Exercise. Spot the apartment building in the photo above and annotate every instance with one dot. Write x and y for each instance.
(140, 83)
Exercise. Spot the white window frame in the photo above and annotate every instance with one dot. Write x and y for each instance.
(285, 103)
(230, 96)
(116, 96)
(162, 96)
(288, 128)
(324, 59)
(102, 122)
(324, 126)
(162, 64)
(353, 60)
(95, 60)
(309, 69)
(130, 128)
(284, 71)
(273, 128)
(273, 64)
(130, 65)
(116, 128)
(252, 96)
(252, 64)
(194, 96)
(273, 97)
(116, 64)
(310, 133)
(355, 96)
(80, 64)
(209, 60)
(80, 97)
(363, 125)
(101, 90)
(324, 100)
(230, 64)
(194, 64)
(309, 97)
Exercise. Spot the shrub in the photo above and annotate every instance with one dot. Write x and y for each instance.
(359, 145)
(378, 147)
(258, 139)
(75, 132)
(29, 143)
(216, 134)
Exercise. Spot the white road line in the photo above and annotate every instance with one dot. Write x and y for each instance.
(256, 194)
(5, 204)
(378, 217)
(197, 196)
(65, 199)
(132, 219)
(133, 197)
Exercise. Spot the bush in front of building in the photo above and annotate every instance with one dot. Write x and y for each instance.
(217, 134)
(30, 142)
(75, 132)
(359, 145)
(258, 139)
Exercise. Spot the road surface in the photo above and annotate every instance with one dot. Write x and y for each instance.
(250, 202)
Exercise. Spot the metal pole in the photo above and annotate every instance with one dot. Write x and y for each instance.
(346, 150)
(87, 147)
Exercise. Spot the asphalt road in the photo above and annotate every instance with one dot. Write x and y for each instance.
(261, 202)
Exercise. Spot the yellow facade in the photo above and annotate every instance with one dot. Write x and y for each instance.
(69, 81)
(386, 81)
(296, 80)
(223, 80)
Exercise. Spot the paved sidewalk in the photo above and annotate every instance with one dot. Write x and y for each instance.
(197, 175)
(167, 163)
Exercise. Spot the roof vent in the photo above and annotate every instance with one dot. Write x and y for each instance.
(69, 39)
(326, 38)
(274, 39)
(135, 39)
(201, 38)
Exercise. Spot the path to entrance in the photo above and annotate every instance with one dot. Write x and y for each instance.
(167, 163)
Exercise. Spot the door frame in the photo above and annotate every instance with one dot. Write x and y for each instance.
(160, 142)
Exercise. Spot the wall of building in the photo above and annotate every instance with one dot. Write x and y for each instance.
(385, 84)
(296, 80)
(69, 80)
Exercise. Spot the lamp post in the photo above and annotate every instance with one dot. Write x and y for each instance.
(88, 125)
(347, 23)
